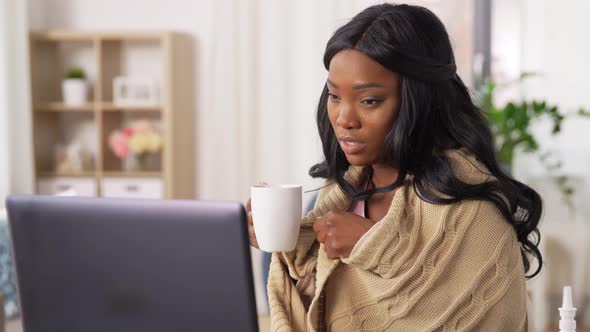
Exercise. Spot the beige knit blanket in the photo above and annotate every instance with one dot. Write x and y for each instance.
(424, 267)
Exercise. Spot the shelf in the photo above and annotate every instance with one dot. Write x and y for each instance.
(61, 36)
(61, 107)
(112, 174)
(130, 174)
(85, 174)
(67, 35)
(110, 107)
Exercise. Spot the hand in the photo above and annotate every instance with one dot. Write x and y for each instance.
(339, 231)
(251, 234)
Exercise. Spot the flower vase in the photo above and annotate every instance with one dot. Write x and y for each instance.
(135, 163)
(140, 162)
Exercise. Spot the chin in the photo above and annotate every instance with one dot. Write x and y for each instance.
(355, 160)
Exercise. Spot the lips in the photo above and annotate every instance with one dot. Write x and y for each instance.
(351, 145)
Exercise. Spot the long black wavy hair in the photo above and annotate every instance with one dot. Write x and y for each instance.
(436, 114)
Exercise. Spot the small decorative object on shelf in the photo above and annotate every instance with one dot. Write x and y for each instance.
(137, 145)
(77, 155)
(75, 91)
(68, 158)
(135, 91)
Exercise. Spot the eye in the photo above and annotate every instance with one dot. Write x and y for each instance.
(371, 102)
(333, 97)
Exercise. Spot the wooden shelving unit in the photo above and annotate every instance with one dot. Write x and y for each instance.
(58, 106)
(110, 107)
(104, 56)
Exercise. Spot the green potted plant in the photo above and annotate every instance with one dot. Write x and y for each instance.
(511, 127)
(74, 88)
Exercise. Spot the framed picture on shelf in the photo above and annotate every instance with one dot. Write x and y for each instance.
(135, 91)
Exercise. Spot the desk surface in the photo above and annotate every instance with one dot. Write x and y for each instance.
(14, 325)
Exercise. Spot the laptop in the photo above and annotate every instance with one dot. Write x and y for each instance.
(98, 264)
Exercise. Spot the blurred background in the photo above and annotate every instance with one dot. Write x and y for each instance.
(202, 99)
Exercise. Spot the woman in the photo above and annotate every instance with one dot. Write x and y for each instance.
(417, 227)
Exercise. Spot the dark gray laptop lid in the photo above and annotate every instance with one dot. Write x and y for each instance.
(90, 264)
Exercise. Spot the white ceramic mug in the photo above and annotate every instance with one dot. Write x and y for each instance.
(276, 215)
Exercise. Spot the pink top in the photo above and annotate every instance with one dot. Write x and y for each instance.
(358, 208)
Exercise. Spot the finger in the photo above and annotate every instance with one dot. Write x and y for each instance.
(329, 218)
(250, 220)
(321, 237)
(249, 205)
(251, 232)
(330, 252)
(333, 218)
(318, 225)
(253, 239)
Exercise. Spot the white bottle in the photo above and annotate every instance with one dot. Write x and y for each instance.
(567, 312)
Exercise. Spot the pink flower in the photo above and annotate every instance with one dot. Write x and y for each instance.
(128, 132)
(118, 142)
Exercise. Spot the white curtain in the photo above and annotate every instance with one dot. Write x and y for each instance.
(15, 144)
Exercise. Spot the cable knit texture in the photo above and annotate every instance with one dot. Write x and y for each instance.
(424, 267)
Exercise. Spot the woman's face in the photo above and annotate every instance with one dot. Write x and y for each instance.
(363, 103)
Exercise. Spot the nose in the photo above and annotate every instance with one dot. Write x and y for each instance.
(347, 118)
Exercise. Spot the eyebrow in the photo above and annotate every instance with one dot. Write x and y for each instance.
(360, 86)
